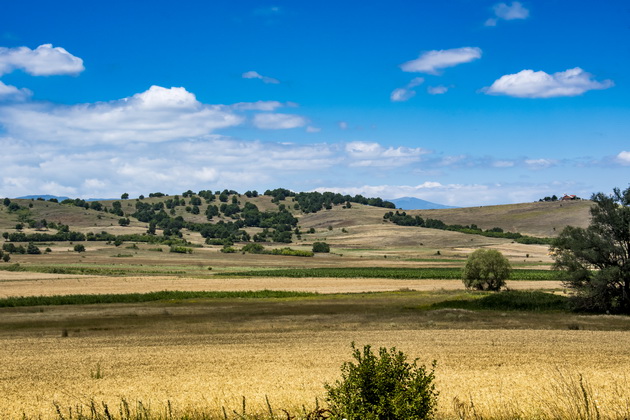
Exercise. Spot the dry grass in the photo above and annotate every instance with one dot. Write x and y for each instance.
(505, 373)
(536, 219)
(38, 284)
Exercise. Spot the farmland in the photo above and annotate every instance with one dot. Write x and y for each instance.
(200, 332)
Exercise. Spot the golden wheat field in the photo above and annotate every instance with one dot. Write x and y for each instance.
(503, 372)
(209, 354)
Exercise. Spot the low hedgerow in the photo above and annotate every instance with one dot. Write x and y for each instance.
(291, 252)
(510, 300)
(144, 297)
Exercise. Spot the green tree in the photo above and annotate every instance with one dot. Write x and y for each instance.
(321, 247)
(32, 249)
(596, 260)
(124, 196)
(486, 269)
(382, 387)
(79, 248)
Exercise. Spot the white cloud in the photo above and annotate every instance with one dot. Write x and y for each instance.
(370, 154)
(503, 164)
(540, 163)
(8, 92)
(431, 62)
(258, 106)
(343, 125)
(311, 129)
(504, 12)
(437, 90)
(256, 75)
(407, 92)
(156, 115)
(45, 60)
(401, 95)
(624, 158)
(268, 121)
(538, 84)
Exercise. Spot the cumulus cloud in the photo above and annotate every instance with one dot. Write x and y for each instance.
(277, 121)
(45, 60)
(504, 12)
(8, 92)
(156, 115)
(407, 92)
(210, 161)
(256, 75)
(623, 158)
(538, 84)
(431, 62)
(375, 155)
(437, 90)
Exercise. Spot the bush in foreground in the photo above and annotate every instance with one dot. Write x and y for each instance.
(382, 387)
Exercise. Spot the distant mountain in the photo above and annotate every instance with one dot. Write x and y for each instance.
(411, 203)
(48, 197)
(44, 196)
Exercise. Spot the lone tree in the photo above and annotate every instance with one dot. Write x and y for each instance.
(596, 260)
(486, 269)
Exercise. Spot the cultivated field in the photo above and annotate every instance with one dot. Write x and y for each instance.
(206, 354)
(198, 356)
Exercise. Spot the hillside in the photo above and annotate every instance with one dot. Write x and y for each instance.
(543, 219)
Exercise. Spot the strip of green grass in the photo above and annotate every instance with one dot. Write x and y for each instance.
(144, 297)
(511, 300)
(93, 271)
(440, 273)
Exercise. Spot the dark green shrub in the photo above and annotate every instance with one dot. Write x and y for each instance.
(321, 247)
(33, 249)
(79, 248)
(228, 249)
(486, 269)
(382, 387)
(253, 248)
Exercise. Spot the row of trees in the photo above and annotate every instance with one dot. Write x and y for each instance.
(404, 219)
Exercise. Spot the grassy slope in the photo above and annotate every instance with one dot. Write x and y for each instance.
(358, 227)
(537, 219)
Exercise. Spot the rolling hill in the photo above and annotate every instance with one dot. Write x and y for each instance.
(542, 219)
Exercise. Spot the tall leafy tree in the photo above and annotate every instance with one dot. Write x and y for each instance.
(596, 260)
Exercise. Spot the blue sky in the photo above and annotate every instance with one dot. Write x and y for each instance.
(461, 102)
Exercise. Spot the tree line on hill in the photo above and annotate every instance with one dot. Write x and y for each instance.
(277, 226)
(404, 219)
